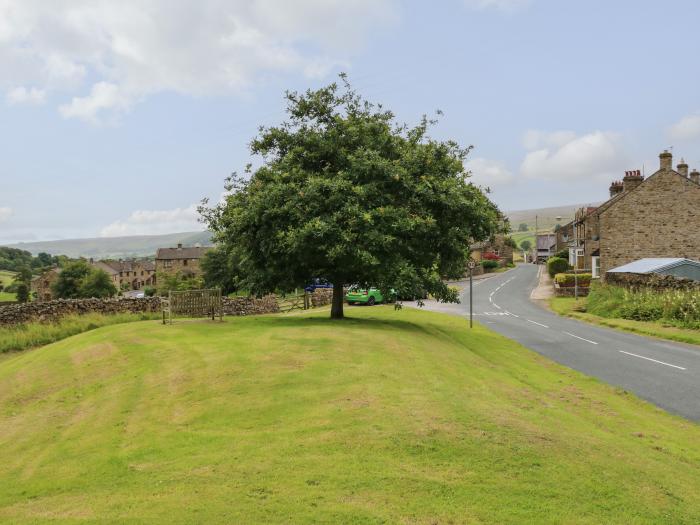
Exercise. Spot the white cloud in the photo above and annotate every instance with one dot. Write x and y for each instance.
(564, 156)
(686, 128)
(22, 95)
(489, 173)
(5, 214)
(134, 48)
(153, 222)
(506, 6)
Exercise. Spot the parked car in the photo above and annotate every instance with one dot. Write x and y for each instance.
(366, 296)
(317, 283)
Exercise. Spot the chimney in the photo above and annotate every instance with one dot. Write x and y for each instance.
(695, 176)
(179, 246)
(632, 180)
(666, 160)
(615, 188)
(683, 168)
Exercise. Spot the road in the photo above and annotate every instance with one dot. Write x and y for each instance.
(664, 373)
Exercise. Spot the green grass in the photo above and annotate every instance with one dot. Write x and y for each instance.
(29, 335)
(6, 279)
(387, 417)
(567, 306)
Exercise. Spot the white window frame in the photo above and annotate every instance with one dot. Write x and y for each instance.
(595, 266)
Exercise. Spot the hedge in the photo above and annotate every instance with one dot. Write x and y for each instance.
(569, 279)
(557, 265)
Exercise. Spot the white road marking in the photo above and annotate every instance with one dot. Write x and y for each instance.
(650, 359)
(497, 306)
(538, 324)
(511, 313)
(581, 338)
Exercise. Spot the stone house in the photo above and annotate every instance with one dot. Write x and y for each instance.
(545, 244)
(181, 259)
(652, 217)
(497, 246)
(128, 275)
(41, 284)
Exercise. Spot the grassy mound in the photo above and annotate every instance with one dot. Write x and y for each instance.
(398, 417)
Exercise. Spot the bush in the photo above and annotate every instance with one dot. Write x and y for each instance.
(563, 254)
(489, 264)
(675, 307)
(557, 265)
(569, 279)
(490, 256)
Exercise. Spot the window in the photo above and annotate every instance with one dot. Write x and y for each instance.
(595, 264)
(167, 264)
(184, 262)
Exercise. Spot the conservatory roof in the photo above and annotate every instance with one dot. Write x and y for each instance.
(654, 265)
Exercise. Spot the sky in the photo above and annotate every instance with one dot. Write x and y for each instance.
(117, 118)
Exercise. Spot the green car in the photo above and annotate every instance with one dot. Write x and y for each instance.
(361, 295)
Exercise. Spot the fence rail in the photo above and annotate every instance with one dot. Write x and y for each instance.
(291, 302)
(192, 303)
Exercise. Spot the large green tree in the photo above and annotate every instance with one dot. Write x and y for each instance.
(345, 193)
(80, 280)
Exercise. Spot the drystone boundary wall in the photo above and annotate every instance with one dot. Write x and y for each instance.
(651, 280)
(51, 311)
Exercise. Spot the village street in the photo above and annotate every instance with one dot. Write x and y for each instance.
(662, 372)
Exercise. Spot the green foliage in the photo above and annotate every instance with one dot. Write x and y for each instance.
(489, 264)
(676, 307)
(80, 280)
(508, 241)
(525, 245)
(178, 281)
(569, 279)
(22, 292)
(220, 269)
(30, 335)
(347, 195)
(556, 265)
(13, 259)
(522, 227)
(97, 284)
(149, 291)
(563, 254)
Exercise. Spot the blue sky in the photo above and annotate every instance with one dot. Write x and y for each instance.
(117, 118)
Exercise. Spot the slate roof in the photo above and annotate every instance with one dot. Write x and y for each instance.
(194, 252)
(653, 265)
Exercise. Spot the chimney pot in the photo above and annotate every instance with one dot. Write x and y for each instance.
(683, 168)
(666, 160)
(179, 246)
(695, 176)
(632, 179)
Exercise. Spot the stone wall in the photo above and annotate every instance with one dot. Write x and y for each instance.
(50, 311)
(658, 219)
(651, 280)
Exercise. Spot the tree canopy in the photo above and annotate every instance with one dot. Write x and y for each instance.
(80, 280)
(346, 194)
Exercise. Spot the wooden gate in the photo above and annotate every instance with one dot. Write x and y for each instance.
(193, 303)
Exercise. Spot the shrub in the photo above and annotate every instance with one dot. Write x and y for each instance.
(563, 254)
(489, 264)
(490, 256)
(569, 279)
(556, 265)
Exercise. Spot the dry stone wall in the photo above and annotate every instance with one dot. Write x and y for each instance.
(51, 311)
(651, 280)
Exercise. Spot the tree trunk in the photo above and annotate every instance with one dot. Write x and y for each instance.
(337, 303)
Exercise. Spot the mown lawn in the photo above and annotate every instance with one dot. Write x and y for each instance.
(386, 417)
(569, 307)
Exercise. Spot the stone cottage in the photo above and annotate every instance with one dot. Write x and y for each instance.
(655, 216)
(42, 283)
(181, 259)
(130, 274)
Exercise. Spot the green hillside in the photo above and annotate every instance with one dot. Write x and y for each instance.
(386, 417)
(6, 279)
(546, 217)
(115, 247)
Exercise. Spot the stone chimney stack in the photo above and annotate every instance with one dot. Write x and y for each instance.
(615, 188)
(666, 160)
(632, 180)
(179, 246)
(683, 168)
(695, 176)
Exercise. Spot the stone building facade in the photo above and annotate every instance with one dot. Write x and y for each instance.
(652, 217)
(185, 260)
(128, 275)
(41, 285)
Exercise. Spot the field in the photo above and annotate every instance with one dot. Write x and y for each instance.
(386, 417)
(6, 279)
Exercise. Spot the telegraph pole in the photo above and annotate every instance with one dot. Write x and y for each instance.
(471, 265)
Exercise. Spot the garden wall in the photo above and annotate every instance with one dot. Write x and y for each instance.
(50, 311)
(651, 280)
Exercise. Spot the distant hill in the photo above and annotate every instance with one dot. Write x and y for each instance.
(115, 247)
(546, 217)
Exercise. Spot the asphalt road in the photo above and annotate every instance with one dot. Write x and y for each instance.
(664, 373)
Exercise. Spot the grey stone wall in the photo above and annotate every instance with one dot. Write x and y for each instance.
(652, 280)
(51, 311)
